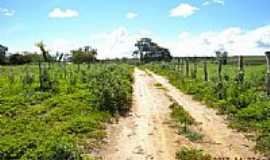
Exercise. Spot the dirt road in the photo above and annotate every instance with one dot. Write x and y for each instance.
(147, 133)
(219, 141)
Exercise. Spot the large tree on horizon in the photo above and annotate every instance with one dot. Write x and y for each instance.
(150, 51)
(222, 56)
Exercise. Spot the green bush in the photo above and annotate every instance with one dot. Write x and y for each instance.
(113, 91)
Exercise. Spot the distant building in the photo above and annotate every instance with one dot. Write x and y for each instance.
(67, 57)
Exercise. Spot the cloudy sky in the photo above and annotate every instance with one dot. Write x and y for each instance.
(186, 27)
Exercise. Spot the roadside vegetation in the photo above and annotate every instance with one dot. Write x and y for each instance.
(59, 110)
(241, 95)
(185, 123)
(194, 154)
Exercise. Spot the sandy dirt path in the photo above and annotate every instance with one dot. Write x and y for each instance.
(219, 141)
(147, 133)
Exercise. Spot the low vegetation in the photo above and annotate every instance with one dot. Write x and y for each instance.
(242, 97)
(59, 111)
(185, 122)
(192, 154)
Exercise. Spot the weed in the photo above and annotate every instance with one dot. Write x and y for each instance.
(192, 154)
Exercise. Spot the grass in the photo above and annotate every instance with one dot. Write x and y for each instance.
(185, 122)
(245, 104)
(66, 121)
(159, 86)
(190, 134)
(192, 154)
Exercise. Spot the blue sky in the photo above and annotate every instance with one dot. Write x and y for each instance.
(187, 27)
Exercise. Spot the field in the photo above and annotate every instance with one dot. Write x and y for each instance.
(244, 102)
(58, 111)
(65, 110)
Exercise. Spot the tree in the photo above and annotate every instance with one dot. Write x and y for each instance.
(3, 51)
(222, 56)
(143, 46)
(17, 59)
(23, 58)
(150, 51)
(84, 55)
(45, 53)
(32, 57)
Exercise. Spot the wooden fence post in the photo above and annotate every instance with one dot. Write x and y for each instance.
(182, 66)
(219, 69)
(178, 63)
(41, 86)
(241, 75)
(187, 66)
(205, 69)
(78, 67)
(194, 72)
(220, 87)
(65, 68)
(267, 54)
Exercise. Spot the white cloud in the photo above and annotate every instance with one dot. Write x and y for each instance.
(183, 10)
(234, 40)
(184, 35)
(63, 13)
(118, 43)
(64, 45)
(208, 2)
(131, 15)
(115, 44)
(7, 12)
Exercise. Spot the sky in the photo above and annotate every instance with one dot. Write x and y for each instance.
(185, 27)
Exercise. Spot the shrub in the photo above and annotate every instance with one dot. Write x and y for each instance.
(113, 92)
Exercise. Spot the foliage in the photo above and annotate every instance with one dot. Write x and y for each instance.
(17, 59)
(184, 122)
(222, 56)
(31, 57)
(84, 55)
(192, 154)
(45, 53)
(246, 104)
(112, 91)
(57, 124)
(150, 51)
(180, 115)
